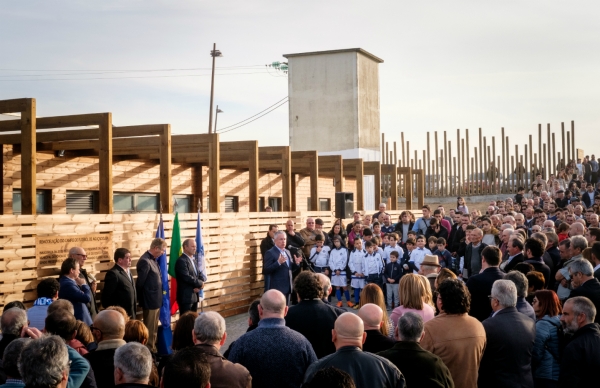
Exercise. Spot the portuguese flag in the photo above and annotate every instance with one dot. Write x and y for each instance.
(174, 254)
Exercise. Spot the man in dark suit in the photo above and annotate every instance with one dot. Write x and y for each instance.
(419, 367)
(515, 254)
(149, 288)
(119, 288)
(534, 249)
(278, 265)
(75, 290)
(311, 317)
(510, 335)
(480, 285)
(596, 259)
(189, 279)
(80, 256)
(584, 283)
(372, 317)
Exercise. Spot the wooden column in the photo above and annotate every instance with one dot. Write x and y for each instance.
(564, 142)
(214, 174)
(403, 164)
(253, 178)
(314, 182)
(105, 156)
(554, 161)
(197, 187)
(393, 186)
(407, 174)
(166, 194)
(420, 174)
(293, 193)
(28, 158)
(360, 202)
(286, 175)
(470, 169)
(573, 140)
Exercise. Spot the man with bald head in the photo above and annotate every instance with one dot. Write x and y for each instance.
(80, 256)
(372, 316)
(576, 229)
(366, 369)
(275, 355)
(309, 234)
(108, 330)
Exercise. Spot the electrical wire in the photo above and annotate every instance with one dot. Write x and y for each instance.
(239, 126)
(99, 78)
(147, 70)
(117, 72)
(240, 122)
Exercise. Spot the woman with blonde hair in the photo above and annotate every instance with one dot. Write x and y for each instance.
(413, 297)
(428, 297)
(372, 293)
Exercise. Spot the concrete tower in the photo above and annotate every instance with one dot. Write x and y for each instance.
(334, 103)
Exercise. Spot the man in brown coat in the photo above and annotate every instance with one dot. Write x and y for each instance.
(308, 234)
(209, 335)
(457, 338)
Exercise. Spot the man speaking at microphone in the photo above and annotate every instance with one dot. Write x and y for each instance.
(278, 265)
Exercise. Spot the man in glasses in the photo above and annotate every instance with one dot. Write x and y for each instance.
(80, 256)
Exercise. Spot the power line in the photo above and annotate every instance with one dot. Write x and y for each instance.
(100, 78)
(239, 126)
(135, 71)
(119, 72)
(233, 125)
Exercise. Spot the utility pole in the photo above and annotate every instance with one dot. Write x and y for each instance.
(217, 111)
(214, 53)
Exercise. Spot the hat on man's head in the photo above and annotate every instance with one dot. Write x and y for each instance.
(431, 260)
(560, 191)
(319, 221)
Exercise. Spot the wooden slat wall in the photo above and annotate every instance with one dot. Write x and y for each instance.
(232, 241)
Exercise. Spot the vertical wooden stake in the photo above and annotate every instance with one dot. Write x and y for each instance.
(28, 158)
(166, 193)
(105, 187)
(469, 167)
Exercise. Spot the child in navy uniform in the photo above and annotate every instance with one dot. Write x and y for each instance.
(356, 263)
(373, 265)
(392, 273)
(445, 257)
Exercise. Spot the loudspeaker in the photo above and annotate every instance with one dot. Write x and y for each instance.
(344, 205)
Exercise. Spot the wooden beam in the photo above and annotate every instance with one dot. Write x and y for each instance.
(374, 168)
(28, 157)
(15, 105)
(393, 187)
(253, 176)
(105, 162)
(286, 175)
(214, 180)
(407, 173)
(57, 122)
(166, 194)
(197, 187)
(360, 203)
(420, 174)
(333, 163)
(138, 130)
(314, 181)
(294, 194)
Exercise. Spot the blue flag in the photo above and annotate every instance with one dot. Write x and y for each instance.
(165, 335)
(201, 263)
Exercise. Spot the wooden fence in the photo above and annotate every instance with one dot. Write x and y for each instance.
(231, 240)
(491, 165)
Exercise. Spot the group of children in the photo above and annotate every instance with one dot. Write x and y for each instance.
(382, 261)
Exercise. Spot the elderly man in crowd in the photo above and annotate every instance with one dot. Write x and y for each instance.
(510, 338)
(382, 209)
(133, 365)
(311, 317)
(275, 355)
(74, 289)
(80, 256)
(108, 330)
(460, 348)
(190, 279)
(372, 317)
(419, 367)
(572, 247)
(472, 261)
(481, 284)
(44, 363)
(14, 323)
(308, 234)
(294, 241)
(430, 267)
(187, 369)
(576, 229)
(209, 335)
(522, 285)
(366, 369)
(584, 283)
(581, 357)
(278, 265)
(10, 363)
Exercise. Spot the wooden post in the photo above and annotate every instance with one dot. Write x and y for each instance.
(540, 144)
(428, 164)
(549, 160)
(457, 172)
(510, 171)
(314, 181)
(527, 169)
(214, 174)
(469, 167)
(530, 179)
(403, 154)
(512, 167)
(105, 162)
(28, 158)
(395, 157)
(166, 194)
(486, 165)
(573, 140)
(481, 168)
(475, 183)
(383, 153)
(545, 168)
(502, 189)
(420, 188)
(387, 153)
(378, 185)
(518, 177)
(253, 177)
(563, 141)
(393, 170)
(554, 153)
(455, 183)
(408, 178)
(360, 203)
(521, 163)
(445, 179)
(293, 186)
(197, 187)
(569, 156)
(286, 176)
(437, 178)
(495, 166)
(450, 172)
(463, 162)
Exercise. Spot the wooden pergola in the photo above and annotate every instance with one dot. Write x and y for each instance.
(99, 138)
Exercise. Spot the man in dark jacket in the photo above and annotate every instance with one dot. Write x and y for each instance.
(80, 256)
(372, 317)
(534, 249)
(149, 288)
(472, 263)
(133, 366)
(515, 254)
(74, 289)
(522, 285)
(581, 358)
(510, 336)
(584, 283)
(209, 335)
(119, 287)
(419, 367)
(436, 229)
(480, 285)
(268, 242)
(367, 370)
(190, 279)
(311, 317)
(278, 264)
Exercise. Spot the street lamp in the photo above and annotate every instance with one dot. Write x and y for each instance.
(213, 53)
(216, 117)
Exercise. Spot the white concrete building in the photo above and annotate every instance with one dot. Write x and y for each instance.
(334, 105)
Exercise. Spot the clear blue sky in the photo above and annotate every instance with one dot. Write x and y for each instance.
(448, 65)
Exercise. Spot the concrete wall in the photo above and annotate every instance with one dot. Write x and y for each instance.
(368, 103)
(323, 91)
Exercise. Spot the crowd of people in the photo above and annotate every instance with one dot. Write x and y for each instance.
(502, 298)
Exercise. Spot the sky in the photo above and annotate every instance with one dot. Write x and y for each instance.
(447, 65)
